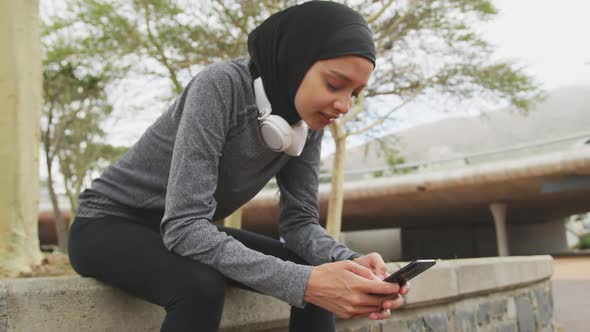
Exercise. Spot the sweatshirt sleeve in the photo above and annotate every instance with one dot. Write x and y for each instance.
(299, 214)
(203, 119)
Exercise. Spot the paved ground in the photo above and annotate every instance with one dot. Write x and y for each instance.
(571, 293)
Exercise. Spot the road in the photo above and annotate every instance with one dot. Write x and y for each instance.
(571, 293)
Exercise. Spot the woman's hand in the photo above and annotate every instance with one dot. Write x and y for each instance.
(351, 290)
(375, 263)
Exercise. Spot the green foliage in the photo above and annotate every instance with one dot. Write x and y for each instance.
(385, 147)
(585, 241)
(433, 47)
(75, 106)
(425, 47)
(180, 36)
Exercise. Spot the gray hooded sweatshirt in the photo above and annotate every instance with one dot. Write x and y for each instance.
(202, 160)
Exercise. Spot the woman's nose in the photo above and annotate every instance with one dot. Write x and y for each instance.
(342, 105)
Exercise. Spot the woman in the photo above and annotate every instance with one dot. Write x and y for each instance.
(145, 225)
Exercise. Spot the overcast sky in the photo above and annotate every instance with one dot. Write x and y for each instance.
(549, 38)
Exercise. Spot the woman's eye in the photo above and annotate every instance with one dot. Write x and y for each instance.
(332, 87)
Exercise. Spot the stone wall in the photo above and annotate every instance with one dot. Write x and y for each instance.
(483, 294)
(528, 308)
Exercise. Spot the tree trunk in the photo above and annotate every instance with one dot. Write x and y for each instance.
(20, 97)
(334, 218)
(60, 222)
(234, 220)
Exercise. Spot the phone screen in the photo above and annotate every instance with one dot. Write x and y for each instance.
(409, 271)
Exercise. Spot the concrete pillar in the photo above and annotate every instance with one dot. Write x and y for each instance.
(499, 213)
(234, 220)
(386, 241)
(20, 110)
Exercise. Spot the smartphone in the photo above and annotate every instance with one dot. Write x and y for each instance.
(409, 271)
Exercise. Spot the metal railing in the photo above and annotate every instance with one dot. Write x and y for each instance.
(515, 151)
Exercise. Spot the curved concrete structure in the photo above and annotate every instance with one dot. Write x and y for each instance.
(536, 189)
(494, 294)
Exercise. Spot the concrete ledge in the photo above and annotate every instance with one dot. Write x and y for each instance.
(83, 304)
(464, 277)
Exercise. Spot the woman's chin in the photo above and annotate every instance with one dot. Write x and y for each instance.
(316, 126)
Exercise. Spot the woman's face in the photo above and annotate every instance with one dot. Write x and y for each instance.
(328, 88)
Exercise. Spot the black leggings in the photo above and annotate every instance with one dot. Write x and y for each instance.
(132, 257)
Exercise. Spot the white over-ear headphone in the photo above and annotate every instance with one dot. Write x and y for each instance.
(276, 133)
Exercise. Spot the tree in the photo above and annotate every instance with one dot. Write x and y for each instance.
(178, 36)
(426, 48)
(386, 148)
(83, 154)
(74, 107)
(20, 97)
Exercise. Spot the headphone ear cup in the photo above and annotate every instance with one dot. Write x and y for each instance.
(276, 133)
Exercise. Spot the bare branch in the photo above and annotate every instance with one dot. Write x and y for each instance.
(159, 50)
(383, 118)
(394, 24)
(376, 16)
(358, 107)
(233, 19)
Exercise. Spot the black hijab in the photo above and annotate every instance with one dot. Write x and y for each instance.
(289, 42)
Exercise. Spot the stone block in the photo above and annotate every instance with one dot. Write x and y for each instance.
(507, 327)
(438, 282)
(465, 321)
(369, 327)
(474, 275)
(484, 314)
(436, 323)
(526, 316)
(362, 329)
(394, 326)
(499, 309)
(520, 270)
(511, 309)
(544, 306)
(416, 325)
(4, 307)
(376, 328)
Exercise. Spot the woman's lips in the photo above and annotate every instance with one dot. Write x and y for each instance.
(327, 119)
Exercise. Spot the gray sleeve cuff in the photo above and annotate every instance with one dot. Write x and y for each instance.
(354, 255)
(299, 285)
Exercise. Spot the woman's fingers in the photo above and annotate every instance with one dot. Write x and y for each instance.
(378, 287)
(374, 262)
(379, 265)
(384, 314)
(394, 303)
(405, 288)
(374, 301)
(361, 270)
